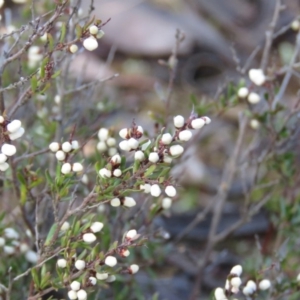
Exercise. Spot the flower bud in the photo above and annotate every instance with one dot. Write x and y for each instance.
(4, 166)
(170, 191)
(153, 157)
(124, 133)
(82, 295)
(1, 120)
(166, 203)
(115, 202)
(90, 43)
(236, 282)
(8, 250)
(129, 202)
(89, 238)
(155, 190)
(2, 241)
(254, 124)
(178, 121)
(11, 233)
(75, 145)
(131, 234)
(72, 295)
(253, 98)
(125, 253)
(17, 134)
(66, 147)
(257, 76)
(265, 284)
(198, 123)
(14, 126)
(110, 261)
(133, 143)
(139, 155)
(116, 159)
(79, 264)
(295, 25)
(167, 159)
(61, 263)
(111, 142)
(101, 146)
(243, 92)
(100, 34)
(54, 147)
(101, 276)
(93, 280)
(3, 158)
(75, 285)
(111, 278)
(65, 226)
(124, 145)
(103, 134)
(8, 150)
(166, 138)
(105, 173)
(146, 187)
(73, 48)
(112, 151)
(236, 270)
(77, 167)
(134, 269)
(219, 294)
(60, 155)
(66, 168)
(176, 150)
(207, 120)
(185, 135)
(96, 227)
(93, 29)
(251, 285)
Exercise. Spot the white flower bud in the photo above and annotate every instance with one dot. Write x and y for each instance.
(31, 256)
(117, 173)
(75, 145)
(14, 126)
(11, 233)
(166, 203)
(17, 134)
(254, 124)
(82, 295)
(90, 43)
(133, 143)
(123, 133)
(103, 134)
(185, 135)
(66, 168)
(105, 173)
(57, 99)
(65, 226)
(66, 147)
(126, 253)
(251, 285)
(207, 120)
(54, 147)
(253, 98)
(124, 145)
(73, 48)
(236, 282)
(170, 191)
(8, 150)
(155, 190)
(243, 92)
(111, 278)
(265, 284)
(60, 155)
(139, 155)
(100, 34)
(1, 120)
(101, 276)
(101, 146)
(8, 250)
(140, 129)
(178, 121)
(131, 234)
(110, 261)
(219, 294)
(2, 241)
(116, 159)
(115, 202)
(93, 280)
(166, 138)
(4, 166)
(93, 29)
(75, 285)
(77, 167)
(146, 188)
(153, 157)
(89, 238)
(295, 25)
(3, 158)
(61, 263)
(257, 76)
(111, 142)
(129, 202)
(72, 295)
(167, 159)
(134, 268)
(176, 150)
(198, 123)
(79, 264)
(236, 270)
(96, 227)
(298, 276)
(112, 151)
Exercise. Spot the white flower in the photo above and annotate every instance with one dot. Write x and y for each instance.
(265, 284)
(176, 150)
(1, 119)
(60, 155)
(170, 191)
(4, 166)
(72, 295)
(295, 25)
(116, 159)
(101, 146)
(219, 294)
(117, 172)
(54, 147)
(96, 227)
(111, 142)
(61, 263)
(73, 48)
(298, 276)
(111, 278)
(166, 203)
(243, 92)
(57, 99)
(254, 124)
(66, 168)
(11, 233)
(166, 138)
(129, 202)
(250, 288)
(115, 202)
(131, 234)
(79, 264)
(75, 285)
(126, 253)
(32, 256)
(66, 147)
(123, 133)
(257, 76)
(236, 270)
(65, 226)
(178, 121)
(133, 143)
(139, 155)
(9, 250)
(1, 3)
(3, 158)
(93, 29)
(253, 98)
(82, 295)
(198, 123)
(77, 167)
(146, 187)
(84, 179)
(75, 145)
(112, 151)
(167, 159)
(185, 135)
(17, 134)
(89, 238)
(140, 129)
(103, 134)
(207, 120)
(100, 34)
(110, 261)
(90, 43)
(101, 276)
(8, 149)
(153, 157)
(236, 282)
(14, 126)
(124, 145)
(2, 241)
(93, 280)
(134, 268)
(155, 190)
(105, 173)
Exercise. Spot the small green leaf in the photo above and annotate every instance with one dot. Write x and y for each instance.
(34, 83)
(78, 31)
(56, 74)
(35, 278)
(63, 32)
(150, 171)
(51, 234)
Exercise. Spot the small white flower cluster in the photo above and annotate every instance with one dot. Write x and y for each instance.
(234, 282)
(13, 130)
(112, 169)
(12, 246)
(258, 77)
(89, 237)
(91, 42)
(34, 56)
(61, 153)
(106, 142)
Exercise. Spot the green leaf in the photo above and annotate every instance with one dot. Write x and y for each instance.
(35, 278)
(43, 66)
(34, 83)
(78, 31)
(51, 234)
(51, 41)
(150, 171)
(56, 74)
(113, 246)
(63, 32)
